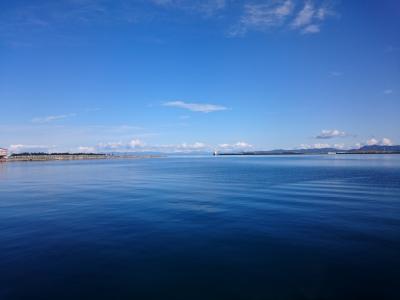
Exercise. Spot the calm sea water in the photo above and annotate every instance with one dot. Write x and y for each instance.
(317, 227)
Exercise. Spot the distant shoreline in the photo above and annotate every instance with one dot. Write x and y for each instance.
(69, 157)
(297, 154)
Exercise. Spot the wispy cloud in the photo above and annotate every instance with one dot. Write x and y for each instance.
(133, 144)
(305, 15)
(21, 24)
(336, 73)
(372, 142)
(341, 146)
(308, 20)
(386, 142)
(388, 92)
(85, 149)
(18, 148)
(312, 28)
(136, 145)
(49, 119)
(329, 134)
(194, 146)
(263, 16)
(282, 14)
(382, 142)
(235, 146)
(204, 7)
(196, 107)
(315, 146)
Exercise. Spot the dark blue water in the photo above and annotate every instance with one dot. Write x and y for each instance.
(318, 227)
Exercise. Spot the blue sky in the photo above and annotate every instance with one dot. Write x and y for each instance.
(182, 75)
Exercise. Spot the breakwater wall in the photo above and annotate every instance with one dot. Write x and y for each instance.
(52, 157)
(56, 157)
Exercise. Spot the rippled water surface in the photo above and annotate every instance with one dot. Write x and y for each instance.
(316, 227)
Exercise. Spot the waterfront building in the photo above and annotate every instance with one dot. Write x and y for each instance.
(3, 153)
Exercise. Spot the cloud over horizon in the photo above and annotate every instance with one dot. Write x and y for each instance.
(18, 148)
(382, 142)
(329, 134)
(136, 145)
(235, 146)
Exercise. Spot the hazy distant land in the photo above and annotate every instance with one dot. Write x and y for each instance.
(375, 149)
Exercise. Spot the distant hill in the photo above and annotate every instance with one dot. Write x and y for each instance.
(380, 148)
(375, 149)
(319, 150)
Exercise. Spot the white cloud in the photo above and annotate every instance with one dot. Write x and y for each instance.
(224, 145)
(263, 16)
(111, 146)
(309, 18)
(282, 14)
(305, 16)
(329, 134)
(139, 146)
(135, 143)
(211, 7)
(321, 13)
(321, 145)
(382, 142)
(339, 146)
(180, 148)
(312, 28)
(49, 119)
(235, 146)
(197, 107)
(194, 146)
(83, 149)
(18, 148)
(372, 142)
(243, 145)
(204, 7)
(386, 142)
(315, 146)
